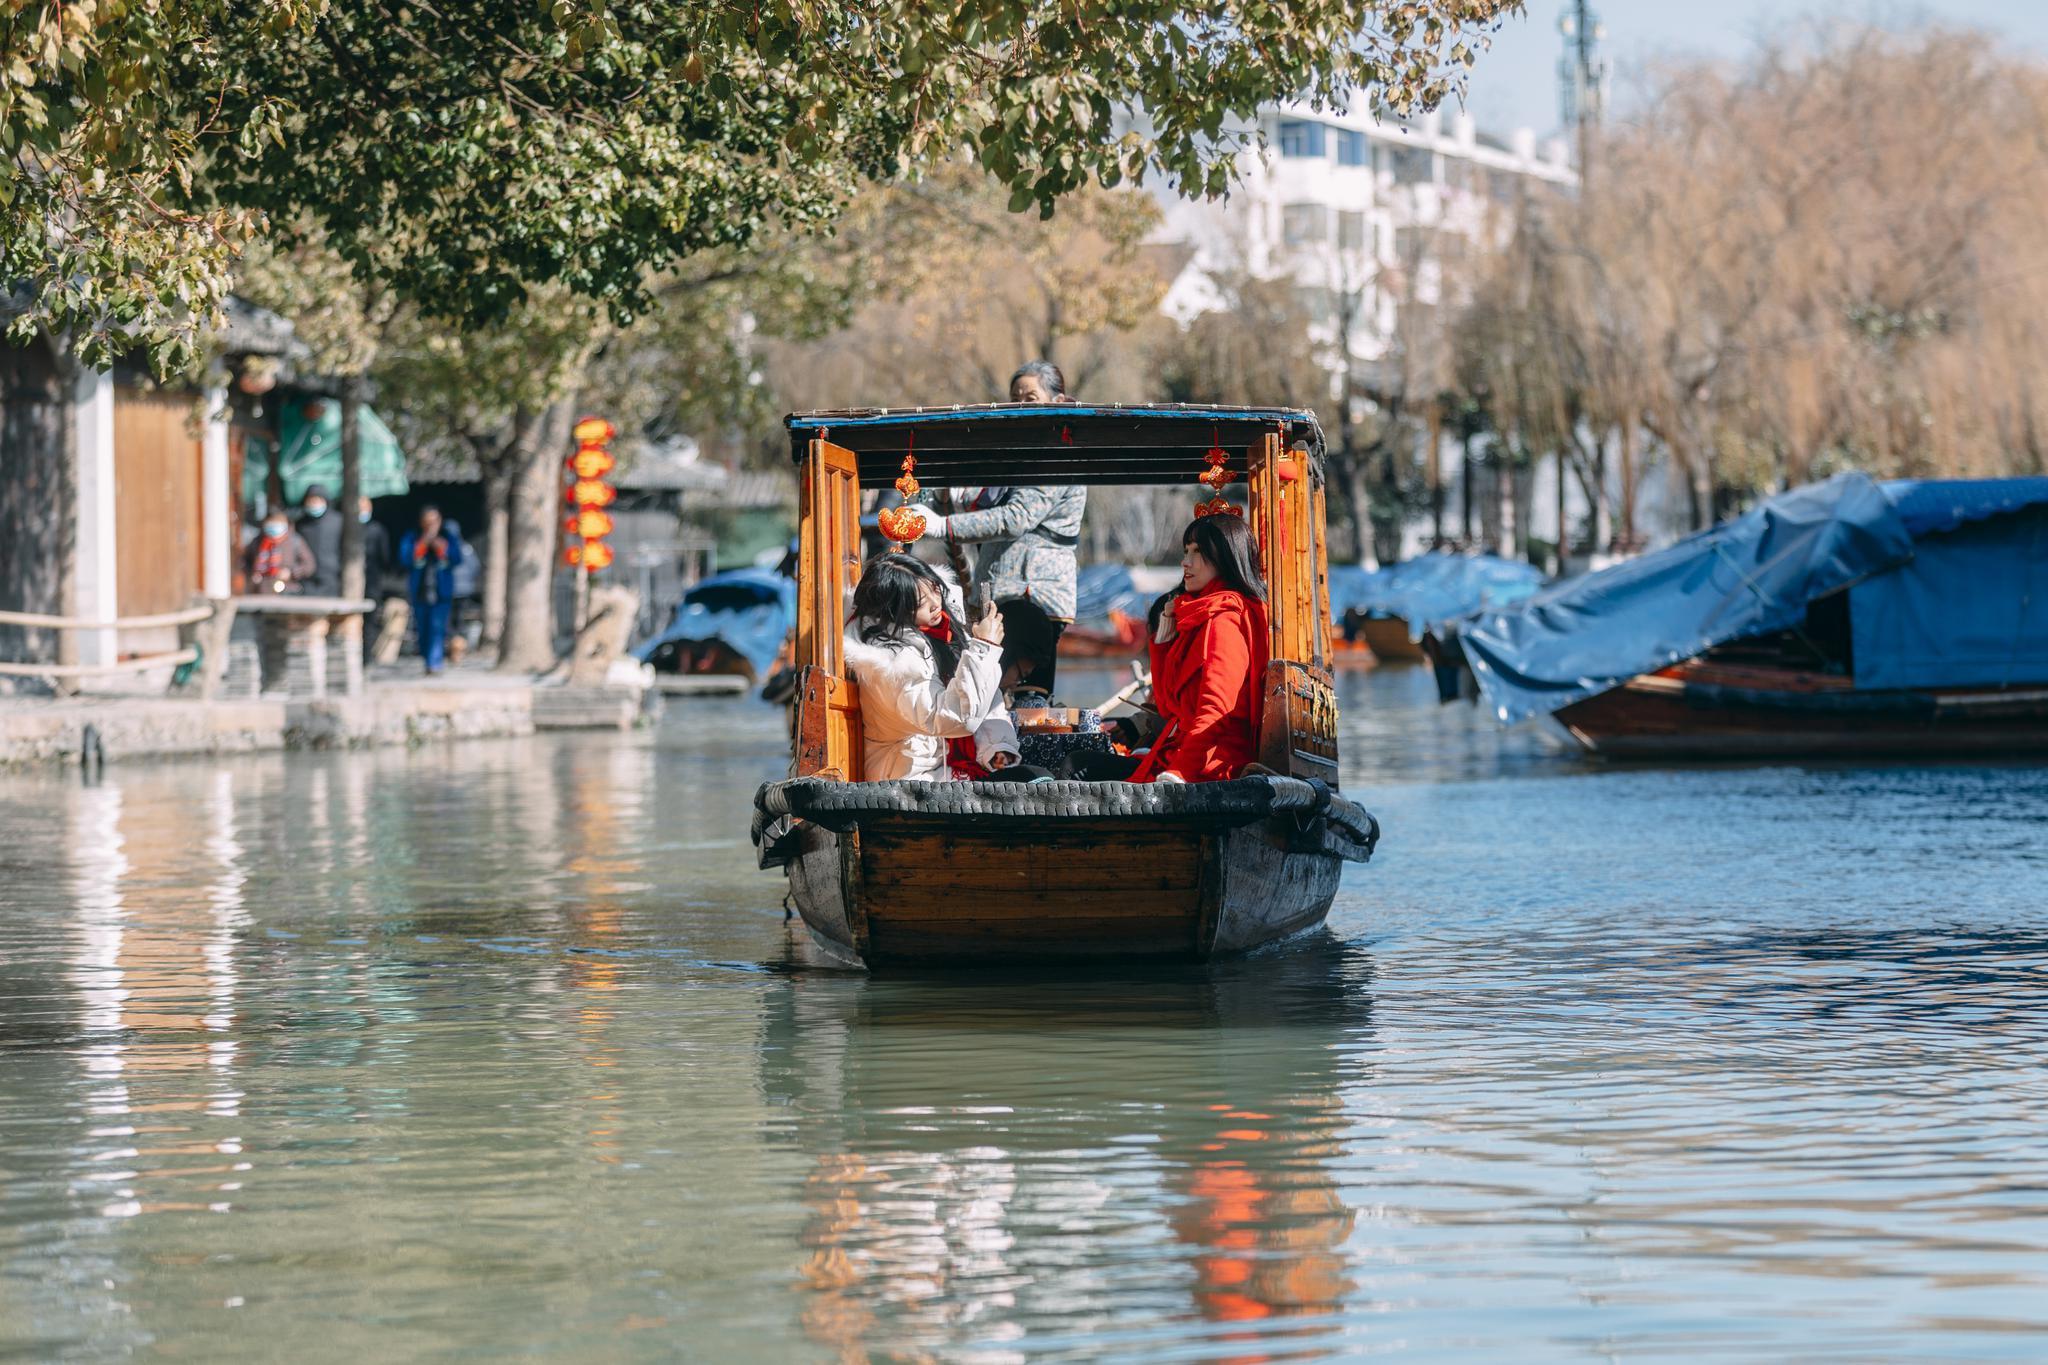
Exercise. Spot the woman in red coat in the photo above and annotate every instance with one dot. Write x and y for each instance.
(1209, 653)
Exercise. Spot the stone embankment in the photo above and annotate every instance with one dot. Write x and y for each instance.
(463, 705)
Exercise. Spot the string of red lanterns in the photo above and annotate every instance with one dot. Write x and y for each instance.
(587, 494)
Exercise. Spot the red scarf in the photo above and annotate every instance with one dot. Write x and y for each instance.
(959, 752)
(270, 556)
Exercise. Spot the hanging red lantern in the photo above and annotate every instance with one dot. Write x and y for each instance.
(593, 493)
(592, 462)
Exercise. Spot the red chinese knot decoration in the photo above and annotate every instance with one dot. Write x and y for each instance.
(906, 523)
(587, 523)
(1215, 478)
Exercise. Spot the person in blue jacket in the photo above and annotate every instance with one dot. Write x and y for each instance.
(429, 557)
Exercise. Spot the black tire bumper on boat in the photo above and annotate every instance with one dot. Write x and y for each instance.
(1317, 817)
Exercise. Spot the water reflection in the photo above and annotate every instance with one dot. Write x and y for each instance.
(988, 1153)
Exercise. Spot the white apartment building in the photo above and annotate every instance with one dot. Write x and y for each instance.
(1350, 206)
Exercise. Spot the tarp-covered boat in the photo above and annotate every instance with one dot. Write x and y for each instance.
(1391, 608)
(1110, 602)
(735, 622)
(1847, 617)
(990, 872)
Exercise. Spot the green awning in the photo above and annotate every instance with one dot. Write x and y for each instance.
(311, 431)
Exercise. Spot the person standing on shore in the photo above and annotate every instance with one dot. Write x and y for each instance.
(277, 560)
(376, 552)
(430, 555)
(322, 534)
(1031, 533)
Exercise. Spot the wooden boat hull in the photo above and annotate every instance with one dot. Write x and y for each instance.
(1662, 716)
(896, 891)
(1388, 637)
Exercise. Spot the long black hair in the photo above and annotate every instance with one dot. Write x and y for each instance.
(885, 606)
(1046, 373)
(1227, 543)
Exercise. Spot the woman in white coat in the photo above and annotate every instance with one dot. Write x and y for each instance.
(916, 695)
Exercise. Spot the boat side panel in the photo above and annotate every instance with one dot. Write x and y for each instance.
(1028, 891)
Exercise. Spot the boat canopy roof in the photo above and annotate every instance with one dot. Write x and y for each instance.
(1432, 587)
(1052, 443)
(1757, 574)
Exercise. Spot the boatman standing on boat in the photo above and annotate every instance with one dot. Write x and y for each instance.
(1028, 569)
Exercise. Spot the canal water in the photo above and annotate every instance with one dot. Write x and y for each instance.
(504, 1050)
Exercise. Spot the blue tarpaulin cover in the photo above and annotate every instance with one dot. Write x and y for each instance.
(1432, 587)
(1931, 506)
(1971, 608)
(1746, 577)
(750, 610)
(1102, 588)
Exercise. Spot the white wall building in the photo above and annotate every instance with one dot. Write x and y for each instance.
(1367, 218)
(1347, 204)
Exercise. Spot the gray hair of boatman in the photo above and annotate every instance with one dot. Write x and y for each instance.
(1046, 373)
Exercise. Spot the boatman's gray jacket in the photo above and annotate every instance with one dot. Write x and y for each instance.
(1032, 534)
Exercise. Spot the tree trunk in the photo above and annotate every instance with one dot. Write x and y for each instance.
(352, 584)
(1504, 495)
(1564, 526)
(38, 496)
(1434, 452)
(497, 481)
(1465, 493)
(1628, 485)
(1701, 485)
(528, 644)
(1386, 521)
(1603, 510)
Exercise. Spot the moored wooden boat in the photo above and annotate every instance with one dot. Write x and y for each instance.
(1702, 709)
(967, 872)
(1387, 637)
(1845, 619)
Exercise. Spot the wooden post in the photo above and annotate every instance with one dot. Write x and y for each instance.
(828, 707)
(829, 556)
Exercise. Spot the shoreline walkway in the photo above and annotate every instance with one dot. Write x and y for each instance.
(398, 705)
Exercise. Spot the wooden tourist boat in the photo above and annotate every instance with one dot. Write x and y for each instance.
(952, 872)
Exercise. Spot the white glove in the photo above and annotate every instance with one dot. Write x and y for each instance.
(1168, 775)
(934, 527)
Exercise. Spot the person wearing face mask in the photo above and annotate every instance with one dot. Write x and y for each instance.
(278, 559)
(322, 534)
